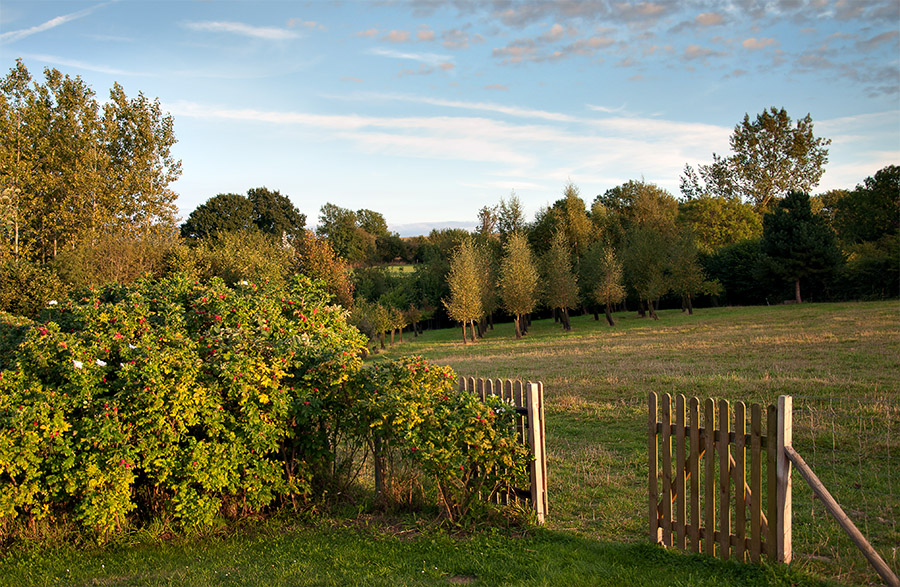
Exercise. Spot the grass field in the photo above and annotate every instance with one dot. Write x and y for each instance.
(839, 361)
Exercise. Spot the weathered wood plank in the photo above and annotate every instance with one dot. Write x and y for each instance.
(724, 481)
(680, 464)
(694, 471)
(710, 505)
(653, 452)
(755, 481)
(667, 468)
(740, 476)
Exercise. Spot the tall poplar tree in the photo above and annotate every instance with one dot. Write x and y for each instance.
(464, 281)
(560, 285)
(518, 279)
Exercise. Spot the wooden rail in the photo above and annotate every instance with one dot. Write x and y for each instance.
(842, 519)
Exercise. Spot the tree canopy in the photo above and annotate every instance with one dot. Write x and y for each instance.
(72, 167)
(796, 243)
(771, 156)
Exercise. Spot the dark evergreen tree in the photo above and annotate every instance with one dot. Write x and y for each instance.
(797, 244)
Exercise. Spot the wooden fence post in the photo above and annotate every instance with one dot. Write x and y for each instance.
(785, 505)
(535, 442)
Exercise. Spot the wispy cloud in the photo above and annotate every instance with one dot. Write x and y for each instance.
(76, 64)
(239, 28)
(432, 59)
(464, 105)
(13, 36)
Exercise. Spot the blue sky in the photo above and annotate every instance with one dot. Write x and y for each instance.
(427, 110)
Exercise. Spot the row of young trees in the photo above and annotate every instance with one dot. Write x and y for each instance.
(73, 168)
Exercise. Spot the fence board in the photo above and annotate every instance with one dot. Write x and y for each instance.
(740, 476)
(681, 473)
(653, 450)
(724, 481)
(667, 469)
(710, 504)
(755, 481)
(694, 471)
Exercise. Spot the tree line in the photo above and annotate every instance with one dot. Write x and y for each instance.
(86, 201)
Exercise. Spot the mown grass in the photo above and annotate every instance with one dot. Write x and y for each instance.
(838, 361)
(276, 553)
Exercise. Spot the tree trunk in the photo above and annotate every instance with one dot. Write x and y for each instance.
(609, 317)
(381, 336)
(518, 330)
(472, 326)
(652, 310)
(690, 303)
(797, 291)
(393, 330)
(596, 314)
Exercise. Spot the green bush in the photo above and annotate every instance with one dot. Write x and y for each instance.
(172, 398)
(458, 449)
(25, 287)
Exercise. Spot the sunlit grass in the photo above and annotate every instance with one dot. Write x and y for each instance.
(596, 381)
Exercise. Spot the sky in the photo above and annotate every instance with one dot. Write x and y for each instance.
(426, 111)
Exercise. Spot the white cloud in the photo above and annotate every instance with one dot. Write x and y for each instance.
(754, 44)
(432, 59)
(12, 36)
(239, 28)
(75, 64)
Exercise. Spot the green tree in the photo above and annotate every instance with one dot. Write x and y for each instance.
(646, 263)
(275, 214)
(607, 286)
(797, 244)
(635, 203)
(372, 222)
(771, 157)
(71, 170)
(487, 221)
(872, 210)
(866, 220)
(219, 214)
(316, 259)
(686, 277)
(464, 280)
(510, 216)
(716, 221)
(560, 284)
(574, 219)
(518, 279)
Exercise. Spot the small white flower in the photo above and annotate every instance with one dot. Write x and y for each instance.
(131, 346)
(78, 364)
(101, 363)
(52, 303)
(244, 282)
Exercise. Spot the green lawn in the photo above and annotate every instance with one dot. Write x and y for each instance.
(277, 553)
(839, 361)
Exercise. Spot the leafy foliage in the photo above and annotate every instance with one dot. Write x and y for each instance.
(178, 398)
(462, 448)
(71, 170)
(796, 243)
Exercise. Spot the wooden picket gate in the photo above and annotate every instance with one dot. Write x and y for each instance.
(528, 398)
(697, 441)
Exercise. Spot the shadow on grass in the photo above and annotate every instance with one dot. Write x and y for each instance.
(277, 554)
